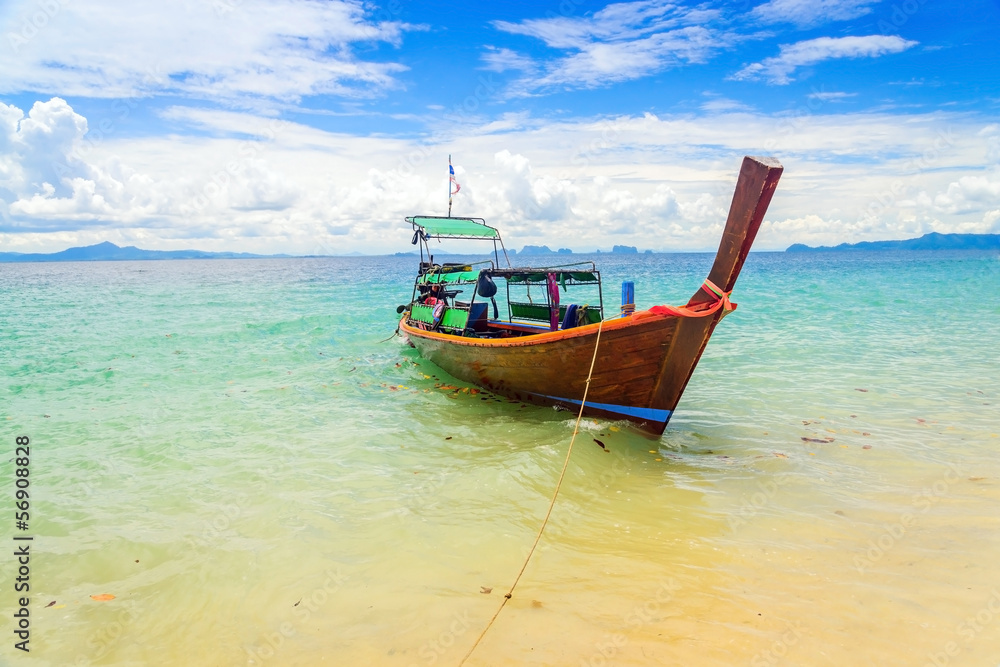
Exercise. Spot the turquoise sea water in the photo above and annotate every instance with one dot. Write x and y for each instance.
(228, 449)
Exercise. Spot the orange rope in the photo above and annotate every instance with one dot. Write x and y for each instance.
(552, 503)
(722, 301)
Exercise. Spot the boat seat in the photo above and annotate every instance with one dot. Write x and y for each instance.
(478, 316)
(539, 312)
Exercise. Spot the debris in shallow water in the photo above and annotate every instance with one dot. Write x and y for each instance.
(865, 433)
(780, 455)
(103, 597)
(448, 438)
(536, 604)
(50, 604)
(300, 599)
(600, 443)
(976, 479)
(485, 590)
(862, 390)
(866, 447)
(820, 440)
(353, 368)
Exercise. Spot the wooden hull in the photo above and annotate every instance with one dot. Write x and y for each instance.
(643, 362)
(630, 378)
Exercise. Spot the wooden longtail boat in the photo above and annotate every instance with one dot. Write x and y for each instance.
(542, 352)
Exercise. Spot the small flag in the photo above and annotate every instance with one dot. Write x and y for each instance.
(451, 170)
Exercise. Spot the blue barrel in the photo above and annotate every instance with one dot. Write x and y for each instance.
(628, 298)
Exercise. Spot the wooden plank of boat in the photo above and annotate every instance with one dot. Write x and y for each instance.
(643, 362)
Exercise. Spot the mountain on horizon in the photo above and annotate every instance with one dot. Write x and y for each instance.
(107, 251)
(931, 241)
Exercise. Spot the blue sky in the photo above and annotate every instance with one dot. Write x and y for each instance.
(312, 126)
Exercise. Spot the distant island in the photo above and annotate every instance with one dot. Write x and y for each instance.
(545, 250)
(109, 251)
(932, 241)
(542, 250)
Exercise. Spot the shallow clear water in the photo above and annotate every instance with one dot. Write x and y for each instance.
(227, 448)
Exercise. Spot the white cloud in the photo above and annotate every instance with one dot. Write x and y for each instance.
(503, 59)
(229, 50)
(992, 218)
(251, 183)
(806, 13)
(831, 96)
(991, 135)
(716, 104)
(621, 42)
(970, 194)
(778, 70)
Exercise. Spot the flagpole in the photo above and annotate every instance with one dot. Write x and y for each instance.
(450, 179)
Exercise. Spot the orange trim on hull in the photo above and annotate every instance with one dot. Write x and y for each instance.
(535, 339)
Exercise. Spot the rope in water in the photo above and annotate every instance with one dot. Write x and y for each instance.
(552, 503)
(395, 333)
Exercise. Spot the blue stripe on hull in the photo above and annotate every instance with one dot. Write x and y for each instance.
(648, 414)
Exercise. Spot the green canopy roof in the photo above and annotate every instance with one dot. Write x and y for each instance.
(457, 277)
(454, 227)
(584, 277)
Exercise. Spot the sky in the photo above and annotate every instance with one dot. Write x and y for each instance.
(316, 126)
